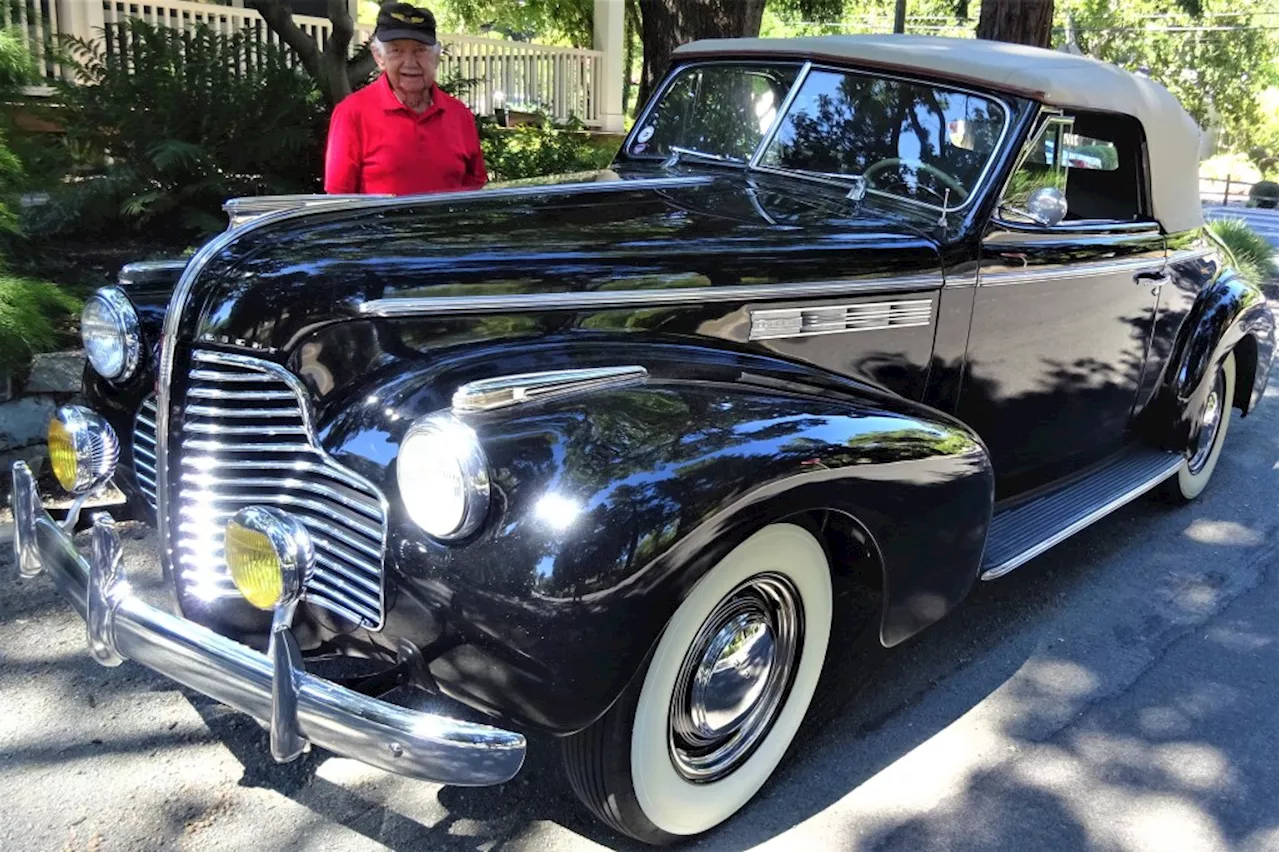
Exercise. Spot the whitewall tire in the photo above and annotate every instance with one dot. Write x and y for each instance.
(722, 697)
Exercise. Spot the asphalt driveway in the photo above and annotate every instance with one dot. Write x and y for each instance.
(1118, 693)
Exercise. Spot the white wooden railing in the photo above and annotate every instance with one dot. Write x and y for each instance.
(565, 82)
(36, 21)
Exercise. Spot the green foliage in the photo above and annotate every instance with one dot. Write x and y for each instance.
(180, 120)
(544, 21)
(541, 149)
(16, 70)
(1249, 254)
(34, 317)
(1264, 194)
(1217, 66)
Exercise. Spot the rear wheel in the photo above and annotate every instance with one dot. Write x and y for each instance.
(722, 696)
(1195, 472)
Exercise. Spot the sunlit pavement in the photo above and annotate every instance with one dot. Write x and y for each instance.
(1118, 693)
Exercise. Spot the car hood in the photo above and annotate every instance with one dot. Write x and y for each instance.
(272, 283)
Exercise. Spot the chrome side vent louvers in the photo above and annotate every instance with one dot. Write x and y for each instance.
(837, 319)
(247, 439)
(144, 449)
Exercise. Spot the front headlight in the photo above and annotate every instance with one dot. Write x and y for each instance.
(109, 329)
(443, 477)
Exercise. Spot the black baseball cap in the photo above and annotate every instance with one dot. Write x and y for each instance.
(401, 20)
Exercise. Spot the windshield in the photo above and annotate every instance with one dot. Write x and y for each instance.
(722, 110)
(918, 141)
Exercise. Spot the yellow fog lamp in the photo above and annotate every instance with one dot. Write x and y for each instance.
(83, 449)
(269, 554)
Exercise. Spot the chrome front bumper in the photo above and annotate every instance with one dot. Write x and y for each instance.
(274, 688)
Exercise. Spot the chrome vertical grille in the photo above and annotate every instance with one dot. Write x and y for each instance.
(246, 440)
(144, 449)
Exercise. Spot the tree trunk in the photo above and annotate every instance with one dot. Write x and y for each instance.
(1019, 21)
(667, 24)
(335, 76)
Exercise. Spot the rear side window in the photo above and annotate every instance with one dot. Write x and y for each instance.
(1098, 160)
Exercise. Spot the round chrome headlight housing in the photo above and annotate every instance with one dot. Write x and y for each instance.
(83, 449)
(109, 330)
(269, 555)
(443, 477)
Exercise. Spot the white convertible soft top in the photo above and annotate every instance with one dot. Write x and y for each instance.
(1048, 76)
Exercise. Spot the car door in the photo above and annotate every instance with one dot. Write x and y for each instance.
(1064, 306)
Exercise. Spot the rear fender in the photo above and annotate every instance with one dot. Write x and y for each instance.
(1228, 315)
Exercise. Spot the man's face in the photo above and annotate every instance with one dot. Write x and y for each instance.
(410, 65)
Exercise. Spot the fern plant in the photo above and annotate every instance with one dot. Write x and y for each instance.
(1248, 253)
(181, 120)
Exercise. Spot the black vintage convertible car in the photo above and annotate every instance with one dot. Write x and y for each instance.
(605, 457)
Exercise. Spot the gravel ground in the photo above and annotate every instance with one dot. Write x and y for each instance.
(1118, 693)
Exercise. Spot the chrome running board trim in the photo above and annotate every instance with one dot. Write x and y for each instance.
(1137, 473)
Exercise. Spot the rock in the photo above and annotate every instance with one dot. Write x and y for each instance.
(24, 422)
(56, 372)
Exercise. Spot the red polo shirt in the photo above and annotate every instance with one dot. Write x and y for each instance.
(378, 145)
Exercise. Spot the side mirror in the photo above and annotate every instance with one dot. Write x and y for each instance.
(1047, 205)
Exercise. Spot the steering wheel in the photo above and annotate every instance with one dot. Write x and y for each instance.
(954, 185)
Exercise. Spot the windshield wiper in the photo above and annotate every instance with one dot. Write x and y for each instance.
(857, 183)
(677, 152)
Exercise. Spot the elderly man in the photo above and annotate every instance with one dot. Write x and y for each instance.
(401, 135)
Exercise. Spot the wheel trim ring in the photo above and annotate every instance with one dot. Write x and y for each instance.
(697, 759)
(1211, 420)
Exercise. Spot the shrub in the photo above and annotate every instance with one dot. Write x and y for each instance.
(34, 317)
(1251, 256)
(16, 70)
(1264, 193)
(536, 150)
(181, 120)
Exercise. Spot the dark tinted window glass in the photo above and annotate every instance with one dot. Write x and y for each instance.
(907, 139)
(716, 109)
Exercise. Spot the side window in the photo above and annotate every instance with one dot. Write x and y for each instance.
(1098, 162)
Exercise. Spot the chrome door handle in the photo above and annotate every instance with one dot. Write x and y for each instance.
(1158, 279)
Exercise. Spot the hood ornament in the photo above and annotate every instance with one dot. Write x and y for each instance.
(858, 190)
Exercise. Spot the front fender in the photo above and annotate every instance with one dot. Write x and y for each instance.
(609, 506)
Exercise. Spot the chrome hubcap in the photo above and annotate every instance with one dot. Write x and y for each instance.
(734, 678)
(1210, 421)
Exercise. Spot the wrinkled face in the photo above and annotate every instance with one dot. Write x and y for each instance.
(410, 65)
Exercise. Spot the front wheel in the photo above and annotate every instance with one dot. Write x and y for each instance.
(1195, 472)
(723, 695)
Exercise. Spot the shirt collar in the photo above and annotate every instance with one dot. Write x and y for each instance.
(390, 103)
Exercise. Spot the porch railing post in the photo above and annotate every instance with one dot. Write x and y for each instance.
(609, 30)
(84, 19)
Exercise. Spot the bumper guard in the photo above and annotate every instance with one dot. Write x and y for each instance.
(297, 707)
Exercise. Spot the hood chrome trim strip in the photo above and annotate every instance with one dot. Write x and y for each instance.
(504, 391)
(408, 306)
